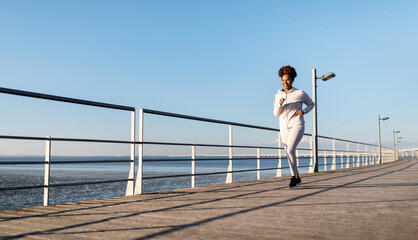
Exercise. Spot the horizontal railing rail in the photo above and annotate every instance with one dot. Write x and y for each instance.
(53, 162)
(65, 139)
(206, 159)
(189, 117)
(175, 115)
(166, 143)
(215, 173)
(349, 141)
(204, 145)
(64, 99)
(64, 184)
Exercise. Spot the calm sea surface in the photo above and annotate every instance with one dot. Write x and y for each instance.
(33, 175)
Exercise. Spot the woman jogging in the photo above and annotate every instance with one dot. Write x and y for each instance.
(288, 107)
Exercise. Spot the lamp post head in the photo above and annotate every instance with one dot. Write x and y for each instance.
(384, 119)
(397, 131)
(327, 76)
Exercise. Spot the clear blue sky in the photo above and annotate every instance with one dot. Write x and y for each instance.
(215, 59)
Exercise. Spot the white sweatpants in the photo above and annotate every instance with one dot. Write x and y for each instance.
(291, 138)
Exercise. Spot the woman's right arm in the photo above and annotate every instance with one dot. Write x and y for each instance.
(277, 110)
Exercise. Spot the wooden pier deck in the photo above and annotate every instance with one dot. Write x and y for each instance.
(372, 202)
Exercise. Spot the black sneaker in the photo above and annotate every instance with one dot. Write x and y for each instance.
(293, 183)
(298, 181)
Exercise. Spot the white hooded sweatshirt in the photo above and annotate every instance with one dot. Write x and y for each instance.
(293, 102)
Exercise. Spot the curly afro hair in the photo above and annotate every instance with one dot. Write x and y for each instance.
(288, 70)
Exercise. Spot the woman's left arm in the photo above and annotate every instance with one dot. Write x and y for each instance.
(309, 103)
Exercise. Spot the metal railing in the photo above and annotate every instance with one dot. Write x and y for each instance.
(344, 158)
(363, 157)
(408, 153)
(48, 140)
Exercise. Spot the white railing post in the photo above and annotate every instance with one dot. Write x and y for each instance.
(139, 173)
(311, 169)
(363, 157)
(367, 157)
(334, 157)
(325, 160)
(347, 165)
(193, 184)
(229, 174)
(258, 164)
(47, 170)
(373, 158)
(279, 164)
(130, 187)
(358, 155)
(342, 160)
(368, 161)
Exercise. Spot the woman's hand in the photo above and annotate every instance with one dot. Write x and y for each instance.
(300, 113)
(281, 101)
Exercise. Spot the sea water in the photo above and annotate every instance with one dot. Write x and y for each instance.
(33, 175)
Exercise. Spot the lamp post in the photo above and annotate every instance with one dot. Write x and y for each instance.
(380, 139)
(324, 77)
(394, 144)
